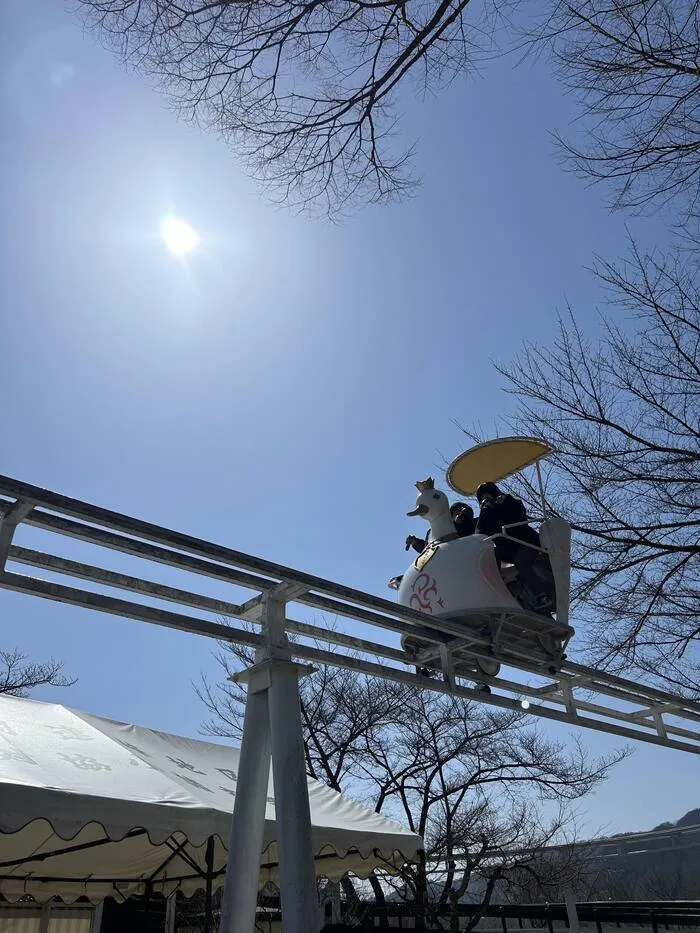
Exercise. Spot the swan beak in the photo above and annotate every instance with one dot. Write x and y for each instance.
(419, 510)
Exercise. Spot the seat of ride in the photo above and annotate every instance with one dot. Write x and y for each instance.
(458, 578)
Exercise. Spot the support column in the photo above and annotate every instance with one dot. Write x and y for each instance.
(336, 908)
(170, 913)
(248, 823)
(9, 521)
(571, 912)
(301, 912)
(96, 925)
(208, 894)
(45, 918)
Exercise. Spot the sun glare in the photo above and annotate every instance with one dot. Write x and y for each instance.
(179, 238)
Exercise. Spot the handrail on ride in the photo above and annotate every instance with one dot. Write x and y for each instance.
(554, 697)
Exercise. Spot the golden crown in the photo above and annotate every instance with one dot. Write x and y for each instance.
(428, 483)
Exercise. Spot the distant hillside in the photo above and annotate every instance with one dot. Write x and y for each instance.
(671, 872)
(691, 818)
(656, 870)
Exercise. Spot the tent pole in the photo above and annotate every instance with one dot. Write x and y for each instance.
(248, 824)
(208, 916)
(571, 911)
(147, 905)
(170, 913)
(301, 912)
(96, 925)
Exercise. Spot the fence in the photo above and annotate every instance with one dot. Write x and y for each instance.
(654, 914)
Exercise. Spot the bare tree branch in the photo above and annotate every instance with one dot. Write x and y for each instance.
(623, 417)
(634, 65)
(304, 90)
(18, 676)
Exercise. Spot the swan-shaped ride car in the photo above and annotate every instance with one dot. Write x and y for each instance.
(458, 578)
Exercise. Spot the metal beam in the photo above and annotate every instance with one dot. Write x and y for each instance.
(126, 609)
(109, 578)
(121, 581)
(117, 521)
(638, 730)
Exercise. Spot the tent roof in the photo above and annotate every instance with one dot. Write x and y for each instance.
(89, 806)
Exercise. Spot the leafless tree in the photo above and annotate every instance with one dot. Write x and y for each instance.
(305, 91)
(623, 417)
(635, 67)
(664, 876)
(483, 787)
(19, 676)
(552, 872)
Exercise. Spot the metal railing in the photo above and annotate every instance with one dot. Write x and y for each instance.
(655, 914)
(576, 694)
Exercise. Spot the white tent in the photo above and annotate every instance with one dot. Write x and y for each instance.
(93, 807)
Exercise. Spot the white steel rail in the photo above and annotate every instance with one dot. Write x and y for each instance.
(576, 694)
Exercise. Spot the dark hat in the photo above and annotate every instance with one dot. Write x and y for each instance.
(458, 507)
(487, 489)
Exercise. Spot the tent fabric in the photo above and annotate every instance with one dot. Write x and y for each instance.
(51, 918)
(93, 807)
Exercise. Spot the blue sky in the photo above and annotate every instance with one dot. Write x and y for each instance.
(283, 390)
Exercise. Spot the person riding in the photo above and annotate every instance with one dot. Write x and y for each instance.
(519, 544)
(498, 509)
(463, 518)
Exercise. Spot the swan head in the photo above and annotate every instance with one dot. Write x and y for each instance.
(431, 503)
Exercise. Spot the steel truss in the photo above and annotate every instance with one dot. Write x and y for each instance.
(567, 692)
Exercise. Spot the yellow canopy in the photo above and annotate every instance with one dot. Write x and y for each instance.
(493, 461)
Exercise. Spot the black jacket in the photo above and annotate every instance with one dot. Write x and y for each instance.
(506, 510)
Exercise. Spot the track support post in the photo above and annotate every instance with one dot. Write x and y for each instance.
(9, 521)
(272, 731)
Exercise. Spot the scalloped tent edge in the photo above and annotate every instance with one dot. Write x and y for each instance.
(90, 807)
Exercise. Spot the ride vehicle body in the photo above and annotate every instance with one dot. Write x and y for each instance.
(459, 577)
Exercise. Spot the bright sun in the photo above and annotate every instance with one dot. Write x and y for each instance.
(179, 238)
